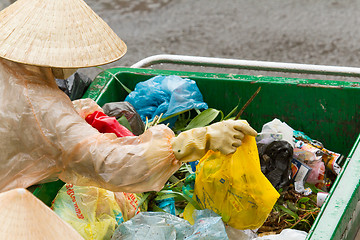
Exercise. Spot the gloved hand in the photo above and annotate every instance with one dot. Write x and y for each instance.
(223, 136)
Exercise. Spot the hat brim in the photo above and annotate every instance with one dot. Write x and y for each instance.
(61, 34)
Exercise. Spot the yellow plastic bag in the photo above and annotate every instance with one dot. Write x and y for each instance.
(234, 187)
(92, 211)
(129, 204)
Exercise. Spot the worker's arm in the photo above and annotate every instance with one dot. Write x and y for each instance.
(44, 137)
(129, 164)
(87, 157)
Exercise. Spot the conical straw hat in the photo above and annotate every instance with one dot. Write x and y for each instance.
(23, 216)
(57, 33)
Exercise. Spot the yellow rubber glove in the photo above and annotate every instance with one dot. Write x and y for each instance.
(223, 136)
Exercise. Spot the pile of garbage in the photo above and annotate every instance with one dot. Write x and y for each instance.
(272, 185)
(302, 171)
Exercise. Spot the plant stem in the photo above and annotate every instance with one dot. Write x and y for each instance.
(125, 88)
(300, 219)
(247, 104)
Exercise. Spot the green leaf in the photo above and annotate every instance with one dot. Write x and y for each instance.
(313, 188)
(289, 212)
(222, 116)
(178, 211)
(143, 199)
(276, 207)
(123, 121)
(231, 113)
(185, 168)
(182, 121)
(172, 188)
(203, 119)
(187, 198)
(173, 115)
(291, 206)
(303, 200)
(173, 179)
(165, 196)
(156, 208)
(126, 89)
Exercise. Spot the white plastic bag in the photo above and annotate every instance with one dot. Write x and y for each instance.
(276, 130)
(286, 234)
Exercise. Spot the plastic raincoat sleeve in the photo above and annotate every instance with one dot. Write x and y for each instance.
(44, 137)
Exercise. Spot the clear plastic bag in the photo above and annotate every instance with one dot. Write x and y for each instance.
(164, 226)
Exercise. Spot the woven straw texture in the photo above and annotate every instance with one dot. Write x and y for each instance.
(23, 216)
(57, 33)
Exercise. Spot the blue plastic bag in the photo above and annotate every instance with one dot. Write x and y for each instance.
(168, 205)
(167, 95)
(164, 226)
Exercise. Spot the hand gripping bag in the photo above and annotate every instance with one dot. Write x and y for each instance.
(234, 187)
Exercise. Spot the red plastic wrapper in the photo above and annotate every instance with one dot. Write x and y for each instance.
(106, 124)
(317, 173)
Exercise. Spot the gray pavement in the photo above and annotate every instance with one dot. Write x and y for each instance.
(297, 31)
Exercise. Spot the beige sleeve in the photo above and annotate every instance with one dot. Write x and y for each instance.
(128, 164)
(89, 158)
(43, 137)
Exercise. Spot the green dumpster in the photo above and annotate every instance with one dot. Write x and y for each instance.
(326, 110)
